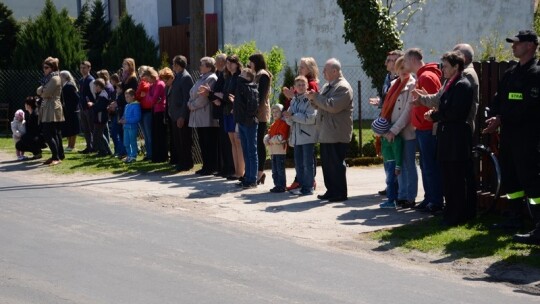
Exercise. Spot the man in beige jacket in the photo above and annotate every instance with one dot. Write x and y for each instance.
(334, 126)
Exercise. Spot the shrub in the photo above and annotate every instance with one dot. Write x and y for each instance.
(130, 40)
(368, 149)
(8, 35)
(50, 34)
(354, 149)
(288, 81)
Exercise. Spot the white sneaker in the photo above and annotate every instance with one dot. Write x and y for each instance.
(296, 191)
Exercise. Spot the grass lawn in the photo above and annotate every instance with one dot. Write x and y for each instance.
(367, 133)
(89, 164)
(472, 240)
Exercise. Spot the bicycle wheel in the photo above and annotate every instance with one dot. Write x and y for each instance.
(487, 178)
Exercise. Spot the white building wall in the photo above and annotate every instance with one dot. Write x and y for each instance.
(315, 28)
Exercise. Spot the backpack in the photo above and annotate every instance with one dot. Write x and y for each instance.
(251, 93)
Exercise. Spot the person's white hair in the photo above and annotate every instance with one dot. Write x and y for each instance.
(466, 50)
(68, 77)
(221, 57)
(335, 64)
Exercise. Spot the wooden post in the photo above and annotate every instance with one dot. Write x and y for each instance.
(197, 32)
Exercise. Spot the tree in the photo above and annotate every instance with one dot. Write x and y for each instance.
(96, 33)
(8, 35)
(375, 29)
(50, 34)
(130, 40)
(84, 17)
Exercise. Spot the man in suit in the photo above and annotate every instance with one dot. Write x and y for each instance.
(179, 114)
(335, 125)
(87, 114)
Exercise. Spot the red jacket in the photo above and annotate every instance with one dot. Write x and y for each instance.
(156, 98)
(429, 78)
(143, 88)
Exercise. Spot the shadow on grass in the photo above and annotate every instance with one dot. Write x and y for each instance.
(517, 263)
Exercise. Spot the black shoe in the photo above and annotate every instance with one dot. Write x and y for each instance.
(531, 238)
(337, 199)
(261, 179)
(422, 205)
(200, 171)
(382, 192)
(405, 204)
(431, 208)
(277, 190)
(232, 177)
(249, 185)
(323, 196)
(104, 154)
(86, 151)
(239, 184)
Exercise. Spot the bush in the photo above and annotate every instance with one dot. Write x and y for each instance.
(275, 59)
(288, 81)
(363, 161)
(368, 149)
(8, 35)
(130, 40)
(50, 34)
(354, 149)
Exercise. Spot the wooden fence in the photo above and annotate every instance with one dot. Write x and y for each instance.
(174, 40)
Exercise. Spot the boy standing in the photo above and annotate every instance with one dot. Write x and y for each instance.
(131, 119)
(392, 156)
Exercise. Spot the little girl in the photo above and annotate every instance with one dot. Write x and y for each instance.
(18, 127)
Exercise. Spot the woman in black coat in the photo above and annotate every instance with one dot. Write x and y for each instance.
(454, 138)
(70, 101)
(32, 141)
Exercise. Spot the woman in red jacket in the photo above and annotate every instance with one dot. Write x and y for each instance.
(146, 111)
(156, 100)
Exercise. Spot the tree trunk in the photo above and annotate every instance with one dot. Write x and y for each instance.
(197, 32)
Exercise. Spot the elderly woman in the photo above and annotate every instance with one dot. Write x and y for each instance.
(397, 109)
(51, 114)
(70, 100)
(156, 99)
(454, 139)
(202, 119)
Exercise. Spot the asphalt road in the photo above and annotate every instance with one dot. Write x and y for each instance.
(61, 246)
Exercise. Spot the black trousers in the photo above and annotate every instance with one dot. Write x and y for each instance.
(159, 138)
(261, 148)
(53, 137)
(173, 154)
(208, 142)
(458, 190)
(225, 158)
(31, 145)
(182, 142)
(334, 169)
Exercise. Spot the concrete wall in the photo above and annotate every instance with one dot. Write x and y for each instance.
(315, 28)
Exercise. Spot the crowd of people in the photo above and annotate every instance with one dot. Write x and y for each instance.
(425, 107)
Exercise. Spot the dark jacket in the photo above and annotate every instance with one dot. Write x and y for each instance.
(178, 96)
(100, 108)
(454, 137)
(241, 113)
(85, 94)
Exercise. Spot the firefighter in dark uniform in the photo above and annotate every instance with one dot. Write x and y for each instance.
(516, 107)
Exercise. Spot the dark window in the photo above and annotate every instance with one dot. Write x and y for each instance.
(180, 12)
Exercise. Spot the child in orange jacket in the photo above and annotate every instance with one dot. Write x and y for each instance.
(276, 141)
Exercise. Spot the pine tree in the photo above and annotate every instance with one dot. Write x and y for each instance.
(50, 34)
(8, 35)
(84, 17)
(97, 33)
(130, 40)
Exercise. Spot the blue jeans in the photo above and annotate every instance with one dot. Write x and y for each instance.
(431, 173)
(278, 171)
(130, 140)
(248, 139)
(146, 125)
(116, 136)
(408, 179)
(390, 170)
(304, 165)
